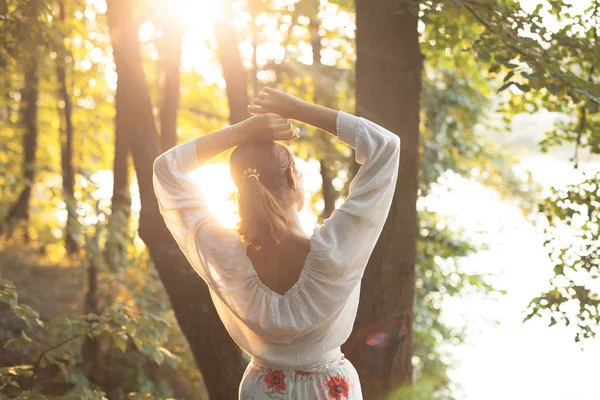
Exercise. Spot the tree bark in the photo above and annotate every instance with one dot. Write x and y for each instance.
(217, 356)
(66, 147)
(388, 86)
(170, 56)
(231, 63)
(29, 97)
(115, 250)
(253, 10)
(327, 190)
(92, 349)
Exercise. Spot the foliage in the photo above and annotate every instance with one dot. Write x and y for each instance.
(573, 217)
(135, 334)
(554, 67)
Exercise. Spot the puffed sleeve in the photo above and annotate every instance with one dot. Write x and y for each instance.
(212, 249)
(345, 241)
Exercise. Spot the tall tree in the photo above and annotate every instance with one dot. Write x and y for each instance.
(19, 211)
(187, 292)
(231, 64)
(118, 224)
(66, 142)
(254, 10)
(388, 87)
(327, 190)
(169, 59)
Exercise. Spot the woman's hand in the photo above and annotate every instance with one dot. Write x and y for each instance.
(278, 102)
(269, 126)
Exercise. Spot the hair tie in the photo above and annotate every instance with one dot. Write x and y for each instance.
(251, 172)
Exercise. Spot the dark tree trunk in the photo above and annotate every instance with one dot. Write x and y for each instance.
(388, 87)
(29, 96)
(92, 350)
(170, 55)
(231, 63)
(217, 356)
(115, 250)
(66, 148)
(327, 190)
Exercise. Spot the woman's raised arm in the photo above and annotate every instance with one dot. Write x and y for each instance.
(288, 106)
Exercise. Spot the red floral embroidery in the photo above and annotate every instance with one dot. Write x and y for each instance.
(302, 373)
(338, 387)
(275, 379)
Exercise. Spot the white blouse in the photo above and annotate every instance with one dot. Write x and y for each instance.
(308, 324)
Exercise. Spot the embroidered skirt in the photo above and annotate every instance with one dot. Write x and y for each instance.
(336, 379)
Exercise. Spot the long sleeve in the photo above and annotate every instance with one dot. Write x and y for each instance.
(183, 205)
(347, 239)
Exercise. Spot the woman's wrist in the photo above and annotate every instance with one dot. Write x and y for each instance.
(320, 117)
(302, 111)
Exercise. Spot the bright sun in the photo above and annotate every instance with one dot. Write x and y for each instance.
(198, 16)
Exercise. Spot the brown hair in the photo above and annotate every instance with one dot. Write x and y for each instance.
(259, 170)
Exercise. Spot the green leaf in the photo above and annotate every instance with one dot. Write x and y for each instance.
(494, 68)
(20, 342)
(484, 56)
(552, 88)
(595, 99)
(509, 75)
(505, 86)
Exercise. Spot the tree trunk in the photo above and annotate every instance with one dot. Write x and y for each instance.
(92, 349)
(29, 96)
(388, 87)
(253, 10)
(170, 56)
(115, 250)
(231, 63)
(217, 356)
(327, 190)
(66, 147)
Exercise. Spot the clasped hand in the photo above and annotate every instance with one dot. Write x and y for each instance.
(271, 110)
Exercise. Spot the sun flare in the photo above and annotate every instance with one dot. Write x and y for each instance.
(198, 16)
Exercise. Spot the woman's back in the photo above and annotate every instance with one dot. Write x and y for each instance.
(279, 266)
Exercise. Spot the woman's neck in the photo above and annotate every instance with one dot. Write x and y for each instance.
(294, 227)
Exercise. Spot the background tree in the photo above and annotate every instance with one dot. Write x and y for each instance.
(188, 293)
(29, 112)
(388, 89)
(66, 140)
(231, 64)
